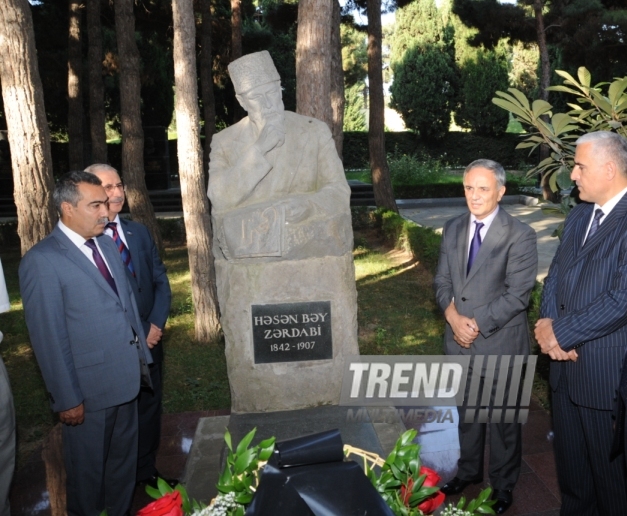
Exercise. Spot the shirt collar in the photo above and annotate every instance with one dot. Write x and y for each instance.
(76, 239)
(611, 204)
(487, 221)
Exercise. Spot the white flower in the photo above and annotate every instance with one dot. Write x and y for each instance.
(454, 511)
(221, 505)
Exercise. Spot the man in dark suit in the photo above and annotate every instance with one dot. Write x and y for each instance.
(584, 329)
(88, 339)
(486, 271)
(147, 276)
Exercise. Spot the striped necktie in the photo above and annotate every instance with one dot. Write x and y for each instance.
(596, 222)
(124, 252)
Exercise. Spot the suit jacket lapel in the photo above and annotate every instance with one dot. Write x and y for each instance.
(493, 237)
(462, 245)
(131, 240)
(74, 254)
(606, 227)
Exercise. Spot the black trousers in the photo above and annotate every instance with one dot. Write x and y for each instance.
(505, 441)
(590, 483)
(149, 422)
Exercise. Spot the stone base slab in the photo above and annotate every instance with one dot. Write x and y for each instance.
(286, 385)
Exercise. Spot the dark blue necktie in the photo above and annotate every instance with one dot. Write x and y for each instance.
(100, 263)
(474, 246)
(124, 251)
(596, 222)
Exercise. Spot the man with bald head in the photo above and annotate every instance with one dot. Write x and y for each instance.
(147, 276)
(89, 342)
(583, 329)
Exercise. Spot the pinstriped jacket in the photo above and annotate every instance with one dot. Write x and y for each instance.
(585, 294)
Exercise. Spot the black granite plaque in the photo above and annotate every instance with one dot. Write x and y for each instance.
(292, 332)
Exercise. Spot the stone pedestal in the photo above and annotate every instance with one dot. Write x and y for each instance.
(294, 384)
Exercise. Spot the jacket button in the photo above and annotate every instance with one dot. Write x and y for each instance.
(463, 299)
(139, 289)
(562, 307)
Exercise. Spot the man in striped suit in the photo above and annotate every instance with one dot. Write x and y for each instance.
(584, 329)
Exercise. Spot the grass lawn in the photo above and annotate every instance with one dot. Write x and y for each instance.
(397, 316)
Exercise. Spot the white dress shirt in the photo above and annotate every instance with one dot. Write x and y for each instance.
(79, 242)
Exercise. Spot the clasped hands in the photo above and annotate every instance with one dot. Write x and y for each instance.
(465, 329)
(548, 342)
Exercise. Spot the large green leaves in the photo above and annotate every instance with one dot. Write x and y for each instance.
(591, 111)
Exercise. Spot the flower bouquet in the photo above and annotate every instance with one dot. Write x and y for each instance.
(407, 487)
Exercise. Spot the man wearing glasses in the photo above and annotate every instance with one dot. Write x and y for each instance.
(147, 276)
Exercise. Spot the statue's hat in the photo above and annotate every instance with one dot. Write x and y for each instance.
(252, 70)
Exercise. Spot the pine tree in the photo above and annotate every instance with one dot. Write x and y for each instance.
(423, 63)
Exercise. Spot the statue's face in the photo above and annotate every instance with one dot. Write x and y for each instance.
(264, 103)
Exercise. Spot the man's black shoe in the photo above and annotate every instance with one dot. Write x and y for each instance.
(504, 500)
(457, 485)
(152, 481)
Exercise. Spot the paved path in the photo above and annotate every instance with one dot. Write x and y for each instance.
(544, 224)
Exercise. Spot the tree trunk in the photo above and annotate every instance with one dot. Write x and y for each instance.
(195, 203)
(236, 29)
(74, 87)
(132, 131)
(52, 455)
(96, 85)
(236, 49)
(381, 183)
(545, 82)
(545, 64)
(29, 139)
(206, 82)
(337, 81)
(313, 60)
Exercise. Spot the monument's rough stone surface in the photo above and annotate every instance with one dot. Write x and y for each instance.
(260, 387)
(283, 249)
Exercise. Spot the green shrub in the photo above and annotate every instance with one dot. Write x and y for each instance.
(480, 79)
(411, 170)
(172, 230)
(456, 149)
(355, 109)
(422, 242)
(423, 91)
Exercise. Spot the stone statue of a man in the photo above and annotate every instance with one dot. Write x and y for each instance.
(276, 184)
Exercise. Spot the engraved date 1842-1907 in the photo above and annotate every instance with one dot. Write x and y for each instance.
(286, 346)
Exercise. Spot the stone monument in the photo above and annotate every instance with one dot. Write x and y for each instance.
(283, 250)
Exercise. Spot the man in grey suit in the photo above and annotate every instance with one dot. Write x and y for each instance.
(583, 328)
(486, 271)
(87, 336)
(147, 276)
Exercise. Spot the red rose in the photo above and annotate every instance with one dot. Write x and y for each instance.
(169, 504)
(432, 477)
(432, 503)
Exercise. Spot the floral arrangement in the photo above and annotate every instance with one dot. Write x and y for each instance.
(408, 487)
